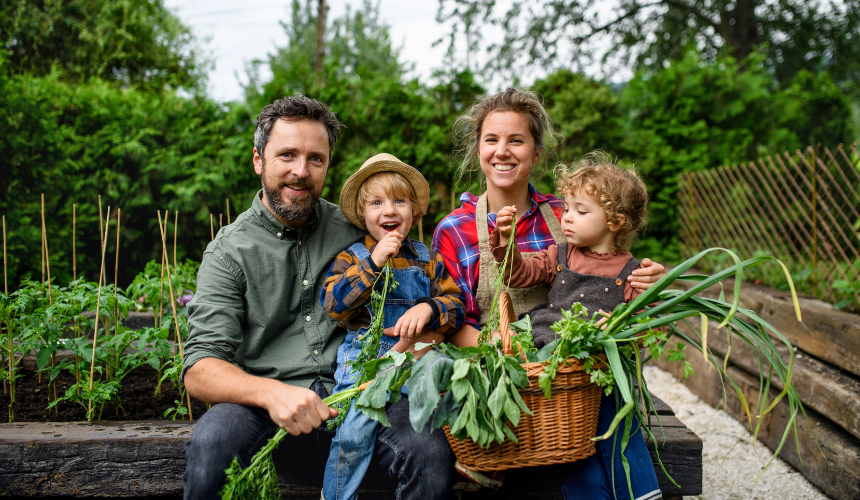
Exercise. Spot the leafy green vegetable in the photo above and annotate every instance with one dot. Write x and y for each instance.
(369, 344)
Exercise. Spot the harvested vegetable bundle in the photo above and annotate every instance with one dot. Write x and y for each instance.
(613, 356)
(370, 342)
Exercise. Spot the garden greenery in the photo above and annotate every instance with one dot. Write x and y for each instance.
(36, 322)
(475, 390)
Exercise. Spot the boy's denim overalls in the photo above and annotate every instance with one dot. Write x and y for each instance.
(352, 446)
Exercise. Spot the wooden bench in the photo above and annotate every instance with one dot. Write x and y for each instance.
(147, 459)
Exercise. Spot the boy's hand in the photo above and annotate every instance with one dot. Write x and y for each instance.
(504, 220)
(387, 247)
(410, 325)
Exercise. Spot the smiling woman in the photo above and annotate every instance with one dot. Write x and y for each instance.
(507, 135)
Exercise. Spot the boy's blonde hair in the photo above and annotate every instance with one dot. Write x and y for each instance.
(619, 191)
(392, 184)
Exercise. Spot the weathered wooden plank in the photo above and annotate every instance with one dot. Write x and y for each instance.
(120, 459)
(131, 459)
(837, 473)
(821, 387)
(832, 336)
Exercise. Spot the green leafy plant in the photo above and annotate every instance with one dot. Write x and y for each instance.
(370, 341)
(260, 480)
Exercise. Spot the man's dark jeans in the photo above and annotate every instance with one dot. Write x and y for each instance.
(422, 464)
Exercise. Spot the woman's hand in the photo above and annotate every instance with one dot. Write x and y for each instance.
(646, 275)
(504, 220)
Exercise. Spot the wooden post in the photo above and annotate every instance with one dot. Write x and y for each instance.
(318, 60)
(212, 226)
(228, 211)
(220, 221)
(814, 217)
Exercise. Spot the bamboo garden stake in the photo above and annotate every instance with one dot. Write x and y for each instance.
(228, 211)
(163, 229)
(74, 250)
(103, 238)
(212, 227)
(6, 291)
(5, 285)
(115, 275)
(175, 225)
(101, 230)
(45, 247)
(220, 221)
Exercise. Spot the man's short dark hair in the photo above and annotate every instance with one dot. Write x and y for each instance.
(295, 108)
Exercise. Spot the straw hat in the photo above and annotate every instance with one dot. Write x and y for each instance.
(382, 163)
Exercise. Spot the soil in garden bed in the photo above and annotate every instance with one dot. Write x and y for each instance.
(137, 397)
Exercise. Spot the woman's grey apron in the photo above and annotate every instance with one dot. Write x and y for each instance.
(592, 291)
(523, 299)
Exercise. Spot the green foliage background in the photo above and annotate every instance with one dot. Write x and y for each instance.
(122, 112)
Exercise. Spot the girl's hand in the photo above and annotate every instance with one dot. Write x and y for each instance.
(647, 275)
(409, 326)
(504, 220)
(387, 247)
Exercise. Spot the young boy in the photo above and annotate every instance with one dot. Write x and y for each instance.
(386, 197)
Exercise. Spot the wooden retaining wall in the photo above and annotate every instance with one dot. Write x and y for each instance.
(826, 351)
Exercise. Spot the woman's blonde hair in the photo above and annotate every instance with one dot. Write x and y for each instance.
(467, 127)
(619, 191)
(392, 184)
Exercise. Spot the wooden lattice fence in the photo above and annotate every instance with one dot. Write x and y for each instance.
(803, 208)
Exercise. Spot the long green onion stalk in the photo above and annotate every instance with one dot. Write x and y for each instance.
(259, 481)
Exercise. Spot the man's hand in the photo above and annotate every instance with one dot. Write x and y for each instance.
(387, 247)
(297, 410)
(504, 220)
(645, 276)
(409, 326)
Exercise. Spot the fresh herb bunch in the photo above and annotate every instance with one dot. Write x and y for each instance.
(498, 284)
(370, 341)
(480, 385)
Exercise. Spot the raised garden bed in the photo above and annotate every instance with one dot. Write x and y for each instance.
(826, 351)
(147, 459)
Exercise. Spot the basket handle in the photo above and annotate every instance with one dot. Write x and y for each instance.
(506, 317)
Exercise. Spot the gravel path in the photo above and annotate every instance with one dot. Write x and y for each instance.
(729, 462)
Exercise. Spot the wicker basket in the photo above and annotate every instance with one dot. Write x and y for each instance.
(561, 428)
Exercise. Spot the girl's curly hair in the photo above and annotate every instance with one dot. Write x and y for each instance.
(618, 190)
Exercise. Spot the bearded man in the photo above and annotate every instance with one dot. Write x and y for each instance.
(261, 348)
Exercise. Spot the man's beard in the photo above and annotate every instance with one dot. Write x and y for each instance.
(294, 208)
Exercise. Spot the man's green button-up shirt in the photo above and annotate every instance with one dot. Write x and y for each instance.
(257, 302)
